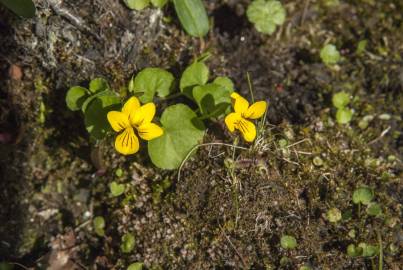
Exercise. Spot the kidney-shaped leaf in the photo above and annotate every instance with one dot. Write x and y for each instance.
(195, 74)
(150, 81)
(95, 114)
(75, 97)
(212, 99)
(182, 132)
(98, 85)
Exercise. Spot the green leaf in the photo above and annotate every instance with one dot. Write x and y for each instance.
(361, 47)
(288, 242)
(99, 225)
(98, 85)
(23, 8)
(226, 82)
(137, 4)
(95, 114)
(182, 132)
(136, 266)
(159, 3)
(374, 209)
(128, 242)
(354, 251)
(266, 15)
(330, 55)
(75, 97)
(341, 100)
(195, 74)
(150, 81)
(333, 215)
(368, 250)
(116, 189)
(193, 17)
(363, 195)
(212, 99)
(344, 115)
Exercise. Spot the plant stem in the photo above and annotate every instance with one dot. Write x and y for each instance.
(250, 87)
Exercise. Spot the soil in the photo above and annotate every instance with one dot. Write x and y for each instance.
(229, 208)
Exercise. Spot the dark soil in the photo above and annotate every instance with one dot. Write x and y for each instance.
(228, 209)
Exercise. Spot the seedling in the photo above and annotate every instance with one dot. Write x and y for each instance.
(374, 209)
(128, 243)
(99, 225)
(340, 100)
(116, 189)
(330, 55)
(266, 15)
(136, 266)
(333, 215)
(363, 195)
(288, 242)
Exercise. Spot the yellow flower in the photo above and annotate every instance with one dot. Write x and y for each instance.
(133, 117)
(237, 120)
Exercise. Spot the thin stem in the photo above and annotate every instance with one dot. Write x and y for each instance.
(250, 87)
(380, 262)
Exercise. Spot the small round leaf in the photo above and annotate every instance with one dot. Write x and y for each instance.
(128, 242)
(136, 266)
(343, 116)
(341, 100)
(288, 242)
(363, 195)
(329, 54)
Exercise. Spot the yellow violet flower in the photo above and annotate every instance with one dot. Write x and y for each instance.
(133, 117)
(238, 119)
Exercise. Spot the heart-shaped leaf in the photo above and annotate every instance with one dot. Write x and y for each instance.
(212, 99)
(75, 97)
(95, 113)
(150, 81)
(98, 85)
(194, 75)
(226, 82)
(116, 189)
(182, 131)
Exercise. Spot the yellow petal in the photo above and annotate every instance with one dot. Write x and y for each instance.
(118, 120)
(131, 106)
(231, 121)
(149, 131)
(247, 129)
(239, 103)
(127, 142)
(143, 115)
(256, 110)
